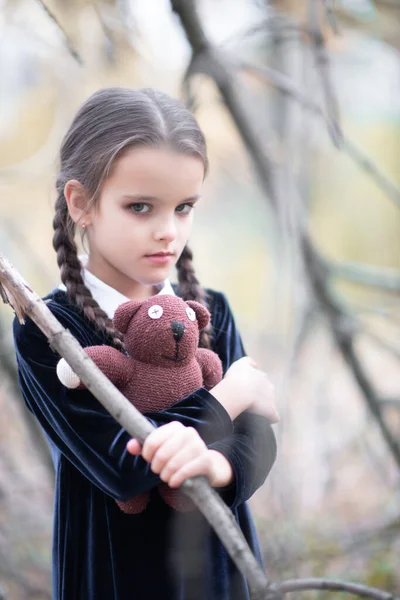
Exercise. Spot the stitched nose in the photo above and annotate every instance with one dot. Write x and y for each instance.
(178, 329)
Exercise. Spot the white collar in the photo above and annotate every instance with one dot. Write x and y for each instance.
(106, 296)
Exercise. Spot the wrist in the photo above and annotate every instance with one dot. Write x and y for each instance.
(227, 397)
(222, 471)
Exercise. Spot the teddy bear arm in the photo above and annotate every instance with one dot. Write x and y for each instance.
(211, 367)
(111, 362)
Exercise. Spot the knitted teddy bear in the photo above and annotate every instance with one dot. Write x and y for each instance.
(164, 364)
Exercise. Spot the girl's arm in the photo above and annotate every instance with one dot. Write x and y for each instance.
(251, 448)
(81, 428)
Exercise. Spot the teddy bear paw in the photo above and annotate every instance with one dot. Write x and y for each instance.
(66, 375)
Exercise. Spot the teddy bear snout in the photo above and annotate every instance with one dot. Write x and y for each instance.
(178, 329)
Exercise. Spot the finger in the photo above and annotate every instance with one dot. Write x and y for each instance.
(188, 453)
(158, 437)
(134, 446)
(252, 362)
(167, 450)
(198, 466)
(272, 415)
(248, 360)
(276, 418)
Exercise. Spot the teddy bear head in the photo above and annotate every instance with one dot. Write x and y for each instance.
(162, 330)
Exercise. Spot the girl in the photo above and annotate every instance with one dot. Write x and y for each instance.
(132, 168)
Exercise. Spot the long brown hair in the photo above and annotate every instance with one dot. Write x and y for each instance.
(109, 122)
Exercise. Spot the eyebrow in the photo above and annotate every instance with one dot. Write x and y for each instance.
(141, 198)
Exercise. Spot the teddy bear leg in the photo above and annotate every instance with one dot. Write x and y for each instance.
(134, 505)
(175, 498)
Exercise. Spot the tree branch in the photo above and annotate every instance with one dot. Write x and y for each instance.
(368, 275)
(390, 402)
(363, 591)
(330, 15)
(363, 161)
(323, 67)
(74, 53)
(353, 543)
(343, 332)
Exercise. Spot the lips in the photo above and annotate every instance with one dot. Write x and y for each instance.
(160, 258)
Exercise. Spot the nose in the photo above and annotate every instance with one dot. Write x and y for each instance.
(178, 329)
(166, 230)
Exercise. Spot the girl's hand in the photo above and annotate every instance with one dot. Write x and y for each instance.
(177, 453)
(245, 387)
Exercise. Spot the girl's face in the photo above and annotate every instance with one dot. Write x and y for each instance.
(145, 208)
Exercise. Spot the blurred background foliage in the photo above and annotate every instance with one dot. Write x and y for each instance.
(330, 507)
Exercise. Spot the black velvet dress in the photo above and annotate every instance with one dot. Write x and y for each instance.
(99, 552)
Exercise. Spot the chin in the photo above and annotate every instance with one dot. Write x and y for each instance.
(155, 278)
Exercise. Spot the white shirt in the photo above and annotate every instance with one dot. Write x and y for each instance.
(106, 296)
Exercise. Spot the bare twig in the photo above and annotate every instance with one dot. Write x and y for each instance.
(391, 4)
(364, 161)
(323, 66)
(188, 97)
(368, 275)
(288, 555)
(330, 15)
(74, 53)
(363, 591)
(390, 348)
(390, 402)
(359, 156)
(346, 344)
(343, 331)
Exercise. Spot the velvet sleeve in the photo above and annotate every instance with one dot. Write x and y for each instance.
(251, 448)
(81, 428)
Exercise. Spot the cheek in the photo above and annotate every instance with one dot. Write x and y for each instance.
(118, 226)
(185, 226)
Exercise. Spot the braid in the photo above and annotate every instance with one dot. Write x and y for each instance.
(191, 289)
(70, 268)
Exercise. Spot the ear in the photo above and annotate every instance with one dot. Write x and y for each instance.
(202, 314)
(76, 198)
(124, 314)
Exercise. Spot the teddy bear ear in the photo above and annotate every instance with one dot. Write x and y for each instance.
(124, 314)
(202, 314)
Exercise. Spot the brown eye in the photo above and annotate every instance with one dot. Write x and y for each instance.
(139, 207)
(184, 208)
